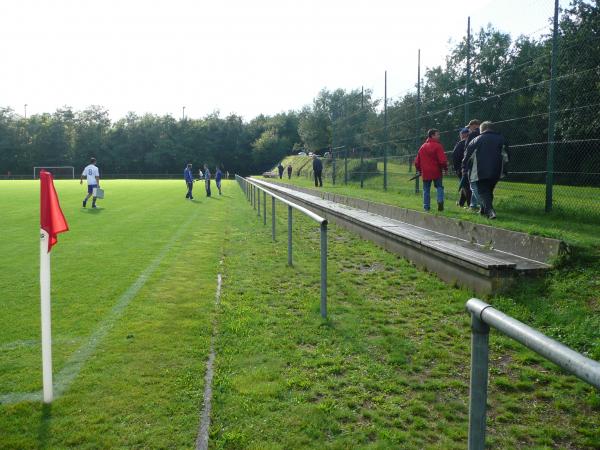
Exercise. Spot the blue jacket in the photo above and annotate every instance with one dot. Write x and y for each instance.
(218, 175)
(187, 175)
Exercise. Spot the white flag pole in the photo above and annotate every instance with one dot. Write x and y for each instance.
(46, 316)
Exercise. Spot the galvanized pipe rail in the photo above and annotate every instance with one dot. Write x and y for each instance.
(252, 191)
(482, 317)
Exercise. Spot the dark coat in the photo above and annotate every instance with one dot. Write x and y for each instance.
(457, 156)
(317, 165)
(484, 153)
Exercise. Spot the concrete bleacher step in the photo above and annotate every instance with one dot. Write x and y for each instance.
(483, 258)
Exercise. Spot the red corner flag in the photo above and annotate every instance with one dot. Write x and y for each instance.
(52, 219)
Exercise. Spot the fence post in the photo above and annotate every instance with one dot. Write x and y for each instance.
(258, 201)
(418, 113)
(289, 235)
(385, 134)
(324, 270)
(362, 168)
(346, 166)
(551, 114)
(273, 217)
(468, 78)
(264, 207)
(480, 333)
(333, 164)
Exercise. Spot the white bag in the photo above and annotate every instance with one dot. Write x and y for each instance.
(98, 193)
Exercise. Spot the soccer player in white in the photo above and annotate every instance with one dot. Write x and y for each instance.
(93, 180)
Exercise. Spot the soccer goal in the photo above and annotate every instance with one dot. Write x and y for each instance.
(56, 171)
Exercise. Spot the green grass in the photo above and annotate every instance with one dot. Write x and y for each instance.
(143, 384)
(388, 369)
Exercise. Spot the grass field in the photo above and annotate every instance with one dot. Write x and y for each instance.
(133, 308)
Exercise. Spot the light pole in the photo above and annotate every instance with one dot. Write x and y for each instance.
(25, 111)
(183, 114)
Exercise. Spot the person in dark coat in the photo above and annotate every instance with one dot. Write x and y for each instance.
(457, 156)
(430, 162)
(473, 127)
(280, 170)
(289, 171)
(318, 170)
(485, 152)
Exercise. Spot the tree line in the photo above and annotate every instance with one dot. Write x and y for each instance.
(509, 84)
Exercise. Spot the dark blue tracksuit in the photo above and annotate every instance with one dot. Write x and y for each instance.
(189, 181)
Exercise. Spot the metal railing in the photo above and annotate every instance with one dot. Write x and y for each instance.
(252, 191)
(482, 317)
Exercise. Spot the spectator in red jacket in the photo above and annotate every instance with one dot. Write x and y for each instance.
(430, 162)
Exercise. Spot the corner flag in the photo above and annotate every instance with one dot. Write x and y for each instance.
(52, 222)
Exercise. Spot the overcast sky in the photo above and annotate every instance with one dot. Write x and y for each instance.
(234, 56)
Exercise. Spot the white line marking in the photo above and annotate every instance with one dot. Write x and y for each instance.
(73, 366)
(202, 440)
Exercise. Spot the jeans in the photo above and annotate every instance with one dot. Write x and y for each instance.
(486, 194)
(190, 186)
(474, 195)
(427, 192)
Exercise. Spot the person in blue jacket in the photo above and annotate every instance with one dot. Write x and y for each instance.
(189, 180)
(207, 179)
(218, 176)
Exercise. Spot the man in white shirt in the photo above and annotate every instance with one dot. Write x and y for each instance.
(93, 180)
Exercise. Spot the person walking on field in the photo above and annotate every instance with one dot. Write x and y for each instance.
(207, 179)
(218, 176)
(473, 127)
(92, 174)
(318, 171)
(289, 171)
(280, 170)
(457, 156)
(486, 154)
(430, 162)
(188, 176)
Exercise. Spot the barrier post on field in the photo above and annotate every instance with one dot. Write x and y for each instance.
(264, 208)
(480, 333)
(255, 185)
(273, 218)
(289, 235)
(258, 203)
(484, 316)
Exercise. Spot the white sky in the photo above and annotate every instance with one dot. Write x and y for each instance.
(247, 57)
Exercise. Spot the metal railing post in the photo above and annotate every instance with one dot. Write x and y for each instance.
(264, 208)
(324, 270)
(258, 202)
(273, 216)
(480, 333)
(289, 235)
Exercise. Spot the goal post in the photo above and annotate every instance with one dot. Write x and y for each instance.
(56, 171)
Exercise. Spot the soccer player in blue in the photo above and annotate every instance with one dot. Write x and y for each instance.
(218, 176)
(189, 180)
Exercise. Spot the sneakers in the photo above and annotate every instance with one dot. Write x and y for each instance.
(94, 205)
(440, 206)
(492, 214)
(84, 203)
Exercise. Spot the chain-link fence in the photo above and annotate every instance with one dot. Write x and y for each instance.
(542, 93)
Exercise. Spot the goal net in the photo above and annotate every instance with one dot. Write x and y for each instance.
(57, 172)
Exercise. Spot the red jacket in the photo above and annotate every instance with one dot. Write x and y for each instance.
(431, 160)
